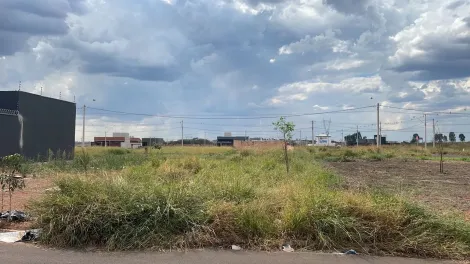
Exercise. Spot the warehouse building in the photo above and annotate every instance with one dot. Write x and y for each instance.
(34, 125)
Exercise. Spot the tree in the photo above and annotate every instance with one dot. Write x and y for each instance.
(286, 128)
(452, 137)
(444, 138)
(415, 138)
(462, 137)
(351, 139)
(438, 137)
(10, 166)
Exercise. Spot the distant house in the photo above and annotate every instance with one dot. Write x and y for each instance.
(122, 140)
(228, 141)
(323, 140)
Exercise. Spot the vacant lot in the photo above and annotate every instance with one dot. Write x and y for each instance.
(418, 179)
(216, 197)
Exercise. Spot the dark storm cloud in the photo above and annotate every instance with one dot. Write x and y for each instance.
(411, 96)
(444, 58)
(456, 4)
(348, 6)
(115, 67)
(21, 19)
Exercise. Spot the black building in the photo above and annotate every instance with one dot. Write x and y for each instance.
(152, 141)
(33, 125)
(228, 141)
(383, 140)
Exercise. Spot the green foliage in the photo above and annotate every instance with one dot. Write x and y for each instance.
(462, 137)
(452, 137)
(352, 139)
(414, 138)
(286, 128)
(83, 160)
(9, 180)
(118, 151)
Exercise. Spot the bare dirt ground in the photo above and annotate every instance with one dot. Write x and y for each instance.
(35, 187)
(419, 179)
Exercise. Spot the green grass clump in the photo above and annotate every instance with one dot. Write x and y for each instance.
(219, 200)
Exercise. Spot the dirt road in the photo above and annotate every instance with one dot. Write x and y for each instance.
(21, 253)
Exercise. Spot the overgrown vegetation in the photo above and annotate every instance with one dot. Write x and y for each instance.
(218, 197)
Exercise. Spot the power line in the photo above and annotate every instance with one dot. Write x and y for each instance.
(231, 117)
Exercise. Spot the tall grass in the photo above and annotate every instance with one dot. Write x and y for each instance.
(241, 198)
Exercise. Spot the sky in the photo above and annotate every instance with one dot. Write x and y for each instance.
(145, 66)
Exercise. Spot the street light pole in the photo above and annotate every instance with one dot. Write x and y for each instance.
(83, 126)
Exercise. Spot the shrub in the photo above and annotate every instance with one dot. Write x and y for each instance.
(194, 201)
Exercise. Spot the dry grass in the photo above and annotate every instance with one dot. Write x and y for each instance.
(218, 198)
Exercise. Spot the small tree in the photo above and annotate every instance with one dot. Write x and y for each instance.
(286, 129)
(415, 138)
(11, 165)
(462, 137)
(444, 138)
(452, 137)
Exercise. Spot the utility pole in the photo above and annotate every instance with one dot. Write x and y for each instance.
(357, 136)
(300, 137)
(313, 137)
(41, 93)
(434, 134)
(19, 86)
(182, 133)
(378, 124)
(380, 131)
(425, 134)
(83, 126)
(342, 137)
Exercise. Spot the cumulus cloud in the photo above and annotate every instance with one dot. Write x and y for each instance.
(22, 19)
(238, 57)
(436, 46)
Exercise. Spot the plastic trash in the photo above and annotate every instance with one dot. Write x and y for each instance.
(236, 248)
(287, 248)
(350, 252)
(15, 215)
(30, 235)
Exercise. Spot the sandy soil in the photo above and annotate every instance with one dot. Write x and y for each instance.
(419, 179)
(35, 187)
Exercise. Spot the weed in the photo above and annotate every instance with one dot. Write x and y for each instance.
(210, 200)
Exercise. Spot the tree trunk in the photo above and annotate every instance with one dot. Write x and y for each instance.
(285, 154)
(9, 193)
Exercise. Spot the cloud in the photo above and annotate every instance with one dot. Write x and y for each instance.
(21, 19)
(301, 91)
(348, 6)
(320, 43)
(436, 46)
(238, 58)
